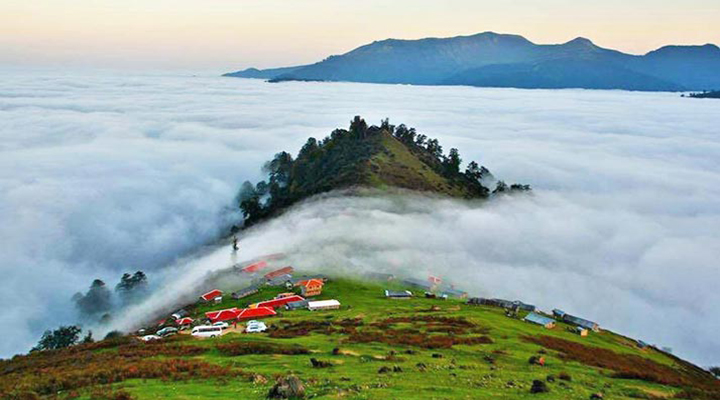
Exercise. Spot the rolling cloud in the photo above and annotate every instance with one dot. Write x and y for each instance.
(101, 174)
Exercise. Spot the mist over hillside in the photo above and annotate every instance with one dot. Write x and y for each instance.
(127, 173)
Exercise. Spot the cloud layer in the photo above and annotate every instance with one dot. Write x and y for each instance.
(101, 174)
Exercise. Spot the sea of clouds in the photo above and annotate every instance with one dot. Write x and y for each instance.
(106, 173)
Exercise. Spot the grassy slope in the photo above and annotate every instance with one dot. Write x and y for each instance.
(461, 373)
(396, 166)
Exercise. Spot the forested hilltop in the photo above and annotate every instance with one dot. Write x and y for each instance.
(366, 156)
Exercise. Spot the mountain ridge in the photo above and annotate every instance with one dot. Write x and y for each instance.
(460, 59)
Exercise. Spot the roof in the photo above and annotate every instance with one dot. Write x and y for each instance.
(255, 312)
(539, 319)
(185, 321)
(211, 294)
(254, 267)
(454, 292)
(396, 293)
(323, 303)
(297, 304)
(222, 315)
(278, 272)
(579, 321)
(310, 282)
(249, 289)
(180, 313)
(275, 303)
(418, 282)
(279, 280)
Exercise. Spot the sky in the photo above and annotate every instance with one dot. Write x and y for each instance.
(102, 174)
(221, 35)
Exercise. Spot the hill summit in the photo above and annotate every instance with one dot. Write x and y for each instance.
(379, 157)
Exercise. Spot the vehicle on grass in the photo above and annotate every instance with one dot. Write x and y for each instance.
(223, 325)
(167, 331)
(257, 327)
(205, 331)
(150, 338)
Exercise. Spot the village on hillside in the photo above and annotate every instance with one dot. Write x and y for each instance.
(305, 292)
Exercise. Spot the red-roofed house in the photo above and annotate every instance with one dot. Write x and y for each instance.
(275, 303)
(222, 315)
(310, 287)
(434, 280)
(279, 272)
(255, 267)
(259, 312)
(213, 295)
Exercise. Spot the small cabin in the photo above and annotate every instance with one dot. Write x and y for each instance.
(279, 280)
(455, 293)
(296, 305)
(542, 320)
(310, 287)
(250, 290)
(402, 294)
(213, 295)
(323, 305)
(579, 330)
(571, 319)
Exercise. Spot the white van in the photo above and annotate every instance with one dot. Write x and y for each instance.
(207, 331)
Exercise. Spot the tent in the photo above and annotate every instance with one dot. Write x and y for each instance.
(259, 312)
(222, 315)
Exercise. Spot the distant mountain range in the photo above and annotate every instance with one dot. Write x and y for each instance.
(499, 60)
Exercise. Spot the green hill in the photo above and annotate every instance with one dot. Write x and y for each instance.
(379, 157)
(371, 348)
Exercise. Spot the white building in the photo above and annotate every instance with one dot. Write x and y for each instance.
(323, 305)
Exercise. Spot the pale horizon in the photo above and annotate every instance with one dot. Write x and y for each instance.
(227, 35)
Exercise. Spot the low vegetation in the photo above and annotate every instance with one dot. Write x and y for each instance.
(373, 348)
(627, 366)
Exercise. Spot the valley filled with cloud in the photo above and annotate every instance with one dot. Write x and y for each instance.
(102, 174)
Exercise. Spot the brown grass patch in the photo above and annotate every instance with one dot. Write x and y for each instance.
(244, 348)
(48, 372)
(627, 366)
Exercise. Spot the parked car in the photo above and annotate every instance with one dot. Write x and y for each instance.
(223, 325)
(206, 331)
(149, 338)
(167, 331)
(256, 327)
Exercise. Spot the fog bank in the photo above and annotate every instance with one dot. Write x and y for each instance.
(102, 174)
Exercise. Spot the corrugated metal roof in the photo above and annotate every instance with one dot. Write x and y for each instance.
(323, 303)
(393, 293)
(538, 319)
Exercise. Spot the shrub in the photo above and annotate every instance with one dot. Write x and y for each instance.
(243, 348)
(564, 376)
(539, 386)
